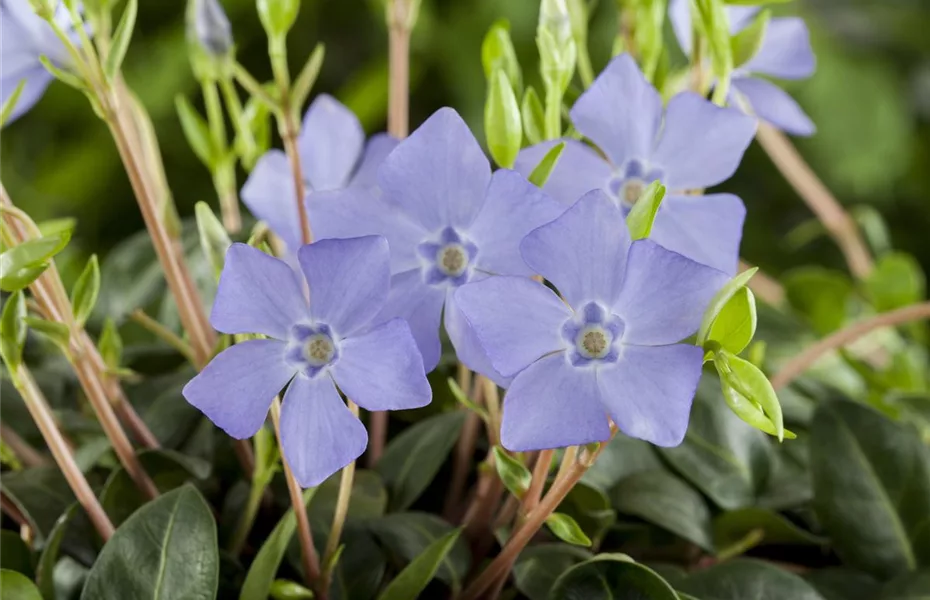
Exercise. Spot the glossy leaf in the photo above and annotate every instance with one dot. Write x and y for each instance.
(85, 291)
(842, 583)
(407, 535)
(282, 589)
(567, 529)
(731, 527)
(720, 300)
(857, 454)
(736, 324)
(543, 170)
(167, 549)
(412, 459)
(742, 579)
(410, 582)
(16, 586)
(622, 457)
(23, 263)
(540, 565)
(503, 128)
(590, 508)
(45, 570)
(608, 577)
(41, 493)
(644, 211)
(513, 473)
(741, 380)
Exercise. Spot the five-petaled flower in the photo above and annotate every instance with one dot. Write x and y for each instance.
(24, 37)
(448, 220)
(785, 53)
(330, 341)
(692, 145)
(333, 156)
(612, 348)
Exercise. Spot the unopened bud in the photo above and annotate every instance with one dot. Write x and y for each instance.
(211, 27)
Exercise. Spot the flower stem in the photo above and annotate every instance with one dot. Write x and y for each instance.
(163, 333)
(465, 448)
(797, 365)
(42, 415)
(540, 474)
(339, 515)
(818, 198)
(399, 75)
(311, 561)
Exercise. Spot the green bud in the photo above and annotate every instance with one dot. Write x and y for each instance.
(497, 53)
(736, 323)
(85, 291)
(513, 473)
(13, 330)
(502, 123)
(257, 118)
(556, 45)
(715, 24)
(749, 393)
(720, 300)
(214, 240)
(278, 16)
(209, 39)
(567, 529)
(534, 116)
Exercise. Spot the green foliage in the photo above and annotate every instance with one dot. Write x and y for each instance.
(415, 576)
(121, 37)
(13, 330)
(644, 211)
(606, 575)
(16, 586)
(543, 170)
(85, 291)
(746, 43)
(22, 264)
(513, 473)
(896, 281)
(822, 295)
(736, 324)
(567, 529)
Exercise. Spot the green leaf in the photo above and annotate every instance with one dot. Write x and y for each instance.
(85, 291)
(567, 529)
(743, 579)
(543, 170)
(264, 568)
(407, 535)
(540, 565)
(120, 43)
(22, 264)
(731, 527)
(745, 389)
(609, 576)
(282, 589)
(53, 330)
(534, 116)
(110, 345)
(910, 586)
(513, 473)
(463, 399)
(896, 281)
(197, 132)
(746, 43)
(10, 102)
(214, 241)
(410, 582)
(62, 75)
(590, 508)
(497, 53)
(841, 583)
(412, 459)
(644, 211)
(167, 549)
(736, 324)
(45, 571)
(871, 488)
(720, 300)
(622, 457)
(307, 77)
(821, 295)
(41, 493)
(13, 330)
(16, 586)
(14, 553)
(502, 123)
(666, 501)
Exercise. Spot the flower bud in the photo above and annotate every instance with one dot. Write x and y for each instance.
(556, 45)
(210, 27)
(278, 16)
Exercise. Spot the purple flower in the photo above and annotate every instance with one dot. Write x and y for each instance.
(315, 347)
(333, 156)
(448, 221)
(785, 53)
(693, 144)
(24, 37)
(610, 349)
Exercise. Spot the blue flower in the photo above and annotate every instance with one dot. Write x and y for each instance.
(785, 53)
(210, 27)
(315, 347)
(333, 156)
(24, 37)
(611, 348)
(693, 144)
(448, 221)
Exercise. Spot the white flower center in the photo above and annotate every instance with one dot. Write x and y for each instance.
(593, 342)
(452, 259)
(632, 190)
(319, 350)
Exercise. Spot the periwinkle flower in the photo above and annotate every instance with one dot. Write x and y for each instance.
(24, 37)
(210, 27)
(785, 53)
(448, 221)
(692, 144)
(330, 342)
(333, 155)
(611, 348)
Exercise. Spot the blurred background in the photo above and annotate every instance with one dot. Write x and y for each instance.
(870, 99)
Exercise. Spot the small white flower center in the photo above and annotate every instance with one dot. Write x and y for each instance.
(319, 350)
(452, 259)
(632, 190)
(593, 342)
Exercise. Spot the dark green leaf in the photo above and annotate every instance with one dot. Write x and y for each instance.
(361, 566)
(120, 43)
(644, 211)
(910, 586)
(166, 550)
(609, 577)
(406, 536)
(14, 553)
(896, 281)
(744, 579)
(666, 501)
(789, 484)
(45, 571)
(415, 576)
(540, 565)
(622, 457)
(412, 459)
(41, 493)
(16, 586)
(822, 295)
(871, 488)
(368, 501)
(733, 526)
(736, 324)
(543, 170)
(513, 473)
(840, 583)
(567, 529)
(590, 508)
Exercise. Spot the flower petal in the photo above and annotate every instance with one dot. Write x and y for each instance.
(513, 208)
(318, 433)
(771, 103)
(620, 112)
(257, 293)
(583, 252)
(236, 388)
(349, 280)
(420, 304)
(358, 211)
(269, 195)
(516, 320)
(579, 170)
(439, 174)
(552, 404)
(376, 150)
(702, 144)
(785, 52)
(664, 295)
(468, 348)
(649, 391)
(706, 229)
(382, 369)
(330, 143)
